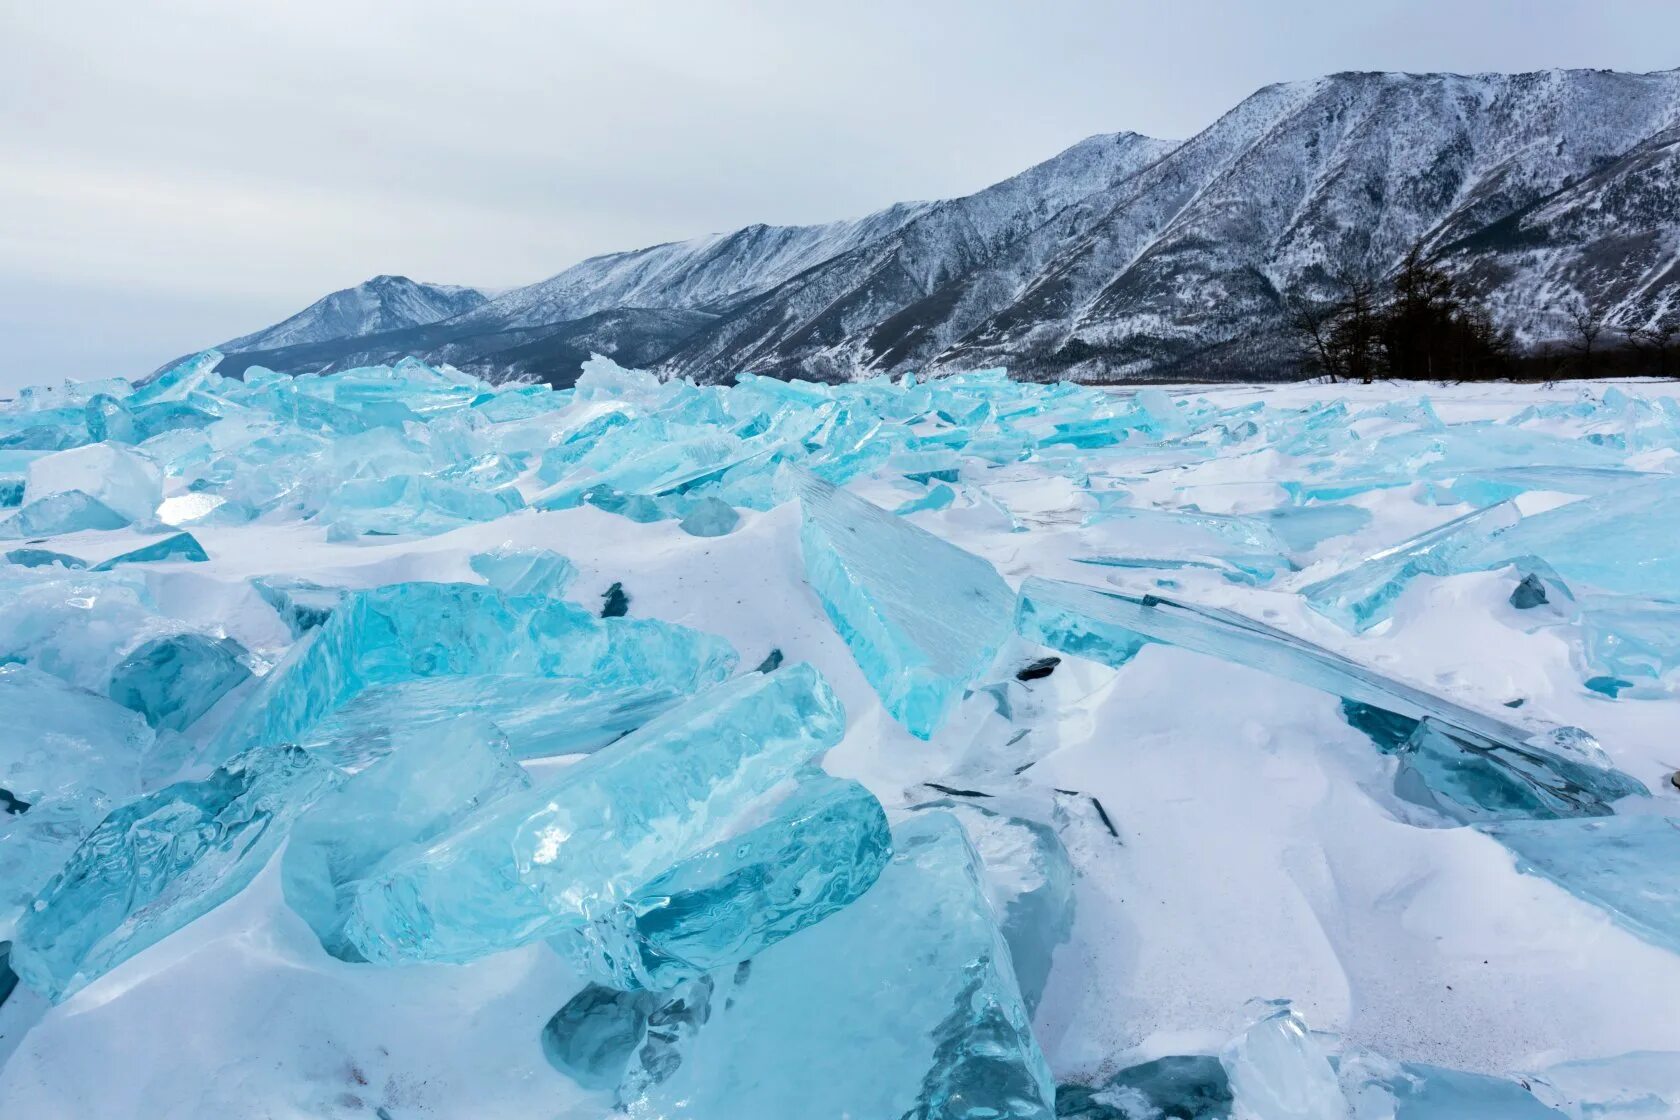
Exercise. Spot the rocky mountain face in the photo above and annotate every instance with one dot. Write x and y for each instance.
(1122, 257)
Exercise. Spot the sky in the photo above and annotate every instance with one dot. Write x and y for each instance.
(176, 173)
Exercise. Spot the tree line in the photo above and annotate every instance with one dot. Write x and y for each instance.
(1422, 324)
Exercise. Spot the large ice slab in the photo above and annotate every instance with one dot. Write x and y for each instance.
(116, 477)
(534, 864)
(157, 863)
(1458, 756)
(66, 758)
(409, 630)
(823, 845)
(922, 617)
(425, 784)
(903, 1004)
(1623, 864)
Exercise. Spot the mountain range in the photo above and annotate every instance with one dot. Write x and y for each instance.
(1122, 257)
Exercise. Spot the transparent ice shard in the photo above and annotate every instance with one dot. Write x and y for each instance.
(176, 546)
(412, 504)
(409, 630)
(922, 617)
(1471, 778)
(1278, 1071)
(1489, 487)
(115, 477)
(1642, 1085)
(44, 558)
(1633, 641)
(1378, 1087)
(903, 1004)
(69, 512)
(1029, 881)
(1458, 754)
(74, 625)
(1622, 864)
(174, 680)
(1244, 545)
(67, 756)
(541, 716)
(1642, 520)
(823, 845)
(525, 571)
(1304, 528)
(535, 864)
(422, 787)
(191, 375)
(159, 862)
(1361, 596)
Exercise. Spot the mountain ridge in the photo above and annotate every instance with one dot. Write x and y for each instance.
(1125, 256)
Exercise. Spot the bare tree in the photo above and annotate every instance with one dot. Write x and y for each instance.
(1657, 339)
(1588, 320)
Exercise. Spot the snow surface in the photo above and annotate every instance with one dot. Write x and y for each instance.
(1261, 852)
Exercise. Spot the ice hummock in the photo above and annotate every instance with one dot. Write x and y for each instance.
(902, 1004)
(923, 618)
(535, 864)
(159, 862)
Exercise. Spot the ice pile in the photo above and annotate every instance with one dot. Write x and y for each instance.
(435, 689)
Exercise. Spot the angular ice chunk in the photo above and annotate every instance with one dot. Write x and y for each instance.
(1379, 1087)
(1459, 754)
(1304, 528)
(904, 1004)
(1190, 1086)
(922, 617)
(1243, 544)
(535, 864)
(1470, 778)
(69, 512)
(301, 605)
(408, 503)
(405, 631)
(418, 791)
(525, 571)
(67, 756)
(177, 546)
(159, 862)
(174, 680)
(177, 382)
(116, 477)
(1636, 641)
(1029, 878)
(1278, 1071)
(823, 846)
(1623, 864)
(1110, 627)
(1361, 596)
(1642, 521)
(710, 517)
(44, 558)
(592, 1038)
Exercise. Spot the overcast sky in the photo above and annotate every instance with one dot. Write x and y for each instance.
(173, 173)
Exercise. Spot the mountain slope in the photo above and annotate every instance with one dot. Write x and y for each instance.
(385, 303)
(1126, 256)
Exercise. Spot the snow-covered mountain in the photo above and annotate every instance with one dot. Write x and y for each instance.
(385, 303)
(1126, 256)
